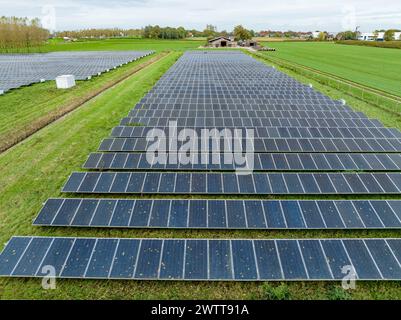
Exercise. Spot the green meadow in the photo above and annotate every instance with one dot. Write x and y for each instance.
(379, 68)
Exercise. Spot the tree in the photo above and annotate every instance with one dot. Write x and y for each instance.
(210, 31)
(155, 32)
(21, 33)
(322, 36)
(389, 35)
(240, 33)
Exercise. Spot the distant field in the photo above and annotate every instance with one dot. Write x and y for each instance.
(121, 44)
(378, 68)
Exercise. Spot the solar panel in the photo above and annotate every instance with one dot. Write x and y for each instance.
(261, 162)
(203, 260)
(221, 214)
(221, 183)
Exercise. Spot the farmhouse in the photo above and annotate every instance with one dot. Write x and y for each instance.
(221, 42)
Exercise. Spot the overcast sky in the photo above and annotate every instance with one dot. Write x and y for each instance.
(299, 15)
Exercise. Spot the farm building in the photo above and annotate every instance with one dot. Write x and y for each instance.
(379, 36)
(221, 42)
(248, 43)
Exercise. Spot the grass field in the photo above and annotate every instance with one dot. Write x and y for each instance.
(121, 44)
(36, 169)
(378, 68)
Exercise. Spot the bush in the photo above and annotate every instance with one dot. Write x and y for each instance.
(279, 292)
(378, 44)
(338, 293)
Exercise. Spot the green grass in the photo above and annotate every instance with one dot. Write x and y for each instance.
(378, 68)
(36, 170)
(120, 44)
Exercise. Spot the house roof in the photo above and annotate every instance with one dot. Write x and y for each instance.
(218, 38)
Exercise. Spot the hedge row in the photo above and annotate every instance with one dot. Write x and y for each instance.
(379, 44)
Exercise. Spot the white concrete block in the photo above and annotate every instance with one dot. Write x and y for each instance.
(65, 81)
(343, 102)
(310, 85)
(42, 80)
(1, 92)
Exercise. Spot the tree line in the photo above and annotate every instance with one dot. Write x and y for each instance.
(100, 33)
(21, 33)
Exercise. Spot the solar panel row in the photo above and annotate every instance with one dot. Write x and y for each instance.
(231, 183)
(193, 259)
(237, 105)
(265, 132)
(185, 113)
(271, 145)
(252, 122)
(261, 162)
(221, 214)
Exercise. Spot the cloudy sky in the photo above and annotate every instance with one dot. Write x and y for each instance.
(302, 15)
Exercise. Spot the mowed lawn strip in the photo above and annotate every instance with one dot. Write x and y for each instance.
(378, 68)
(37, 168)
(25, 110)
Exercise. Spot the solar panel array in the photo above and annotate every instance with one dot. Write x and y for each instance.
(18, 70)
(305, 144)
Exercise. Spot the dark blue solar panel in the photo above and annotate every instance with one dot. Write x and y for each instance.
(172, 261)
(291, 259)
(101, 260)
(220, 260)
(148, 259)
(243, 260)
(196, 260)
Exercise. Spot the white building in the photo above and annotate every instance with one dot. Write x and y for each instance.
(371, 36)
(316, 34)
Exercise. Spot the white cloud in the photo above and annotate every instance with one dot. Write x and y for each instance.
(256, 14)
